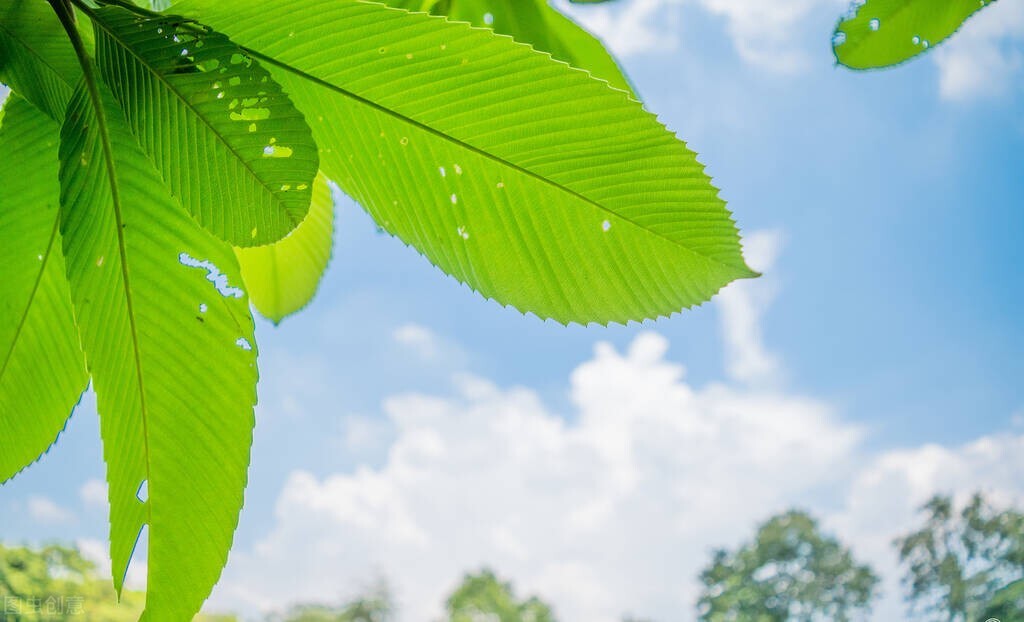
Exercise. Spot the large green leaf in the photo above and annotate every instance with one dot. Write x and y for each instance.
(227, 140)
(534, 22)
(42, 370)
(283, 277)
(169, 344)
(36, 58)
(531, 181)
(879, 33)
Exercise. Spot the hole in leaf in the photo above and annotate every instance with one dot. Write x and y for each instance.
(277, 151)
(213, 275)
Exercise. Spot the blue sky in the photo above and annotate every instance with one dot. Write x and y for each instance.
(409, 429)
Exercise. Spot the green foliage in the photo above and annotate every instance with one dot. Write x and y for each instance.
(482, 596)
(142, 149)
(35, 59)
(538, 211)
(881, 33)
(215, 124)
(141, 332)
(55, 583)
(373, 607)
(790, 572)
(282, 278)
(42, 370)
(962, 564)
(1006, 604)
(534, 22)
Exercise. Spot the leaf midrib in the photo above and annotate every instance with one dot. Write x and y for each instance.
(93, 90)
(115, 195)
(220, 138)
(31, 299)
(42, 59)
(481, 152)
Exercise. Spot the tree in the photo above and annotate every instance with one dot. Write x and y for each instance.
(162, 170)
(55, 582)
(375, 606)
(482, 597)
(789, 572)
(883, 33)
(966, 564)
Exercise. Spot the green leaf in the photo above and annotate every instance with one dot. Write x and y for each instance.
(169, 343)
(226, 139)
(282, 278)
(534, 22)
(534, 183)
(42, 370)
(880, 33)
(36, 58)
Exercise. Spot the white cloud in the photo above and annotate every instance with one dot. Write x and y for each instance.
(741, 305)
(984, 58)
(45, 510)
(764, 34)
(616, 506)
(635, 27)
(419, 339)
(491, 476)
(94, 493)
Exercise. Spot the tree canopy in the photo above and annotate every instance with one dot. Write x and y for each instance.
(482, 595)
(965, 564)
(57, 583)
(789, 572)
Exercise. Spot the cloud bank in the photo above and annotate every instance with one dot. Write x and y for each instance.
(985, 59)
(613, 507)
